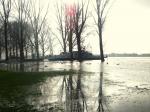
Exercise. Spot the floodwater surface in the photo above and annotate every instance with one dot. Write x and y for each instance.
(118, 85)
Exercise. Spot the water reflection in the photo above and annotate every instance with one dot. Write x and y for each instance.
(15, 91)
(81, 92)
(75, 100)
(100, 95)
(23, 67)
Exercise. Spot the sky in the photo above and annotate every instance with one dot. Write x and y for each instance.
(127, 29)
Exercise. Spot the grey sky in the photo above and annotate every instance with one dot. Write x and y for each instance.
(127, 28)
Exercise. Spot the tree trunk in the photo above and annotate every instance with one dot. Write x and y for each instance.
(43, 52)
(37, 46)
(79, 47)
(21, 42)
(101, 46)
(70, 45)
(0, 52)
(64, 46)
(13, 48)
(6, 41)
(17, 49)
(10, 51)
(26, 51)
(21, 50)
(37, 51)
(32, 53)
(0, 45)
(51, 46)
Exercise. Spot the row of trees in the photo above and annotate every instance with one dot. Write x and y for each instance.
(24, 30)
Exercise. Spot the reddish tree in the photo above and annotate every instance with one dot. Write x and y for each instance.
(70, 23)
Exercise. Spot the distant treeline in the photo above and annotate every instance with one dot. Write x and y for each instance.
(128, 55)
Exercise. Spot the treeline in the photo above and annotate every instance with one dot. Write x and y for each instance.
(25, 32)
(128, 55)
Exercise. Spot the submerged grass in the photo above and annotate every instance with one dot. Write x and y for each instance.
(51, 73)
(28, 78)
(10, 78)
(17, 86)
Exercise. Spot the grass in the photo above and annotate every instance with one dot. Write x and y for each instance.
(52, 73)
(28, 78)
(18, 86)
(10, 78)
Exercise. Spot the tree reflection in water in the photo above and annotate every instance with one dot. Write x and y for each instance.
(22, 66)
(100, 96)
(68, 93)
(75, 100)
(101, 99)
(74, 96)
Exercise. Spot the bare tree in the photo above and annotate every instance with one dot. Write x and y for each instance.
(65, 19)
(101, 12)
(44, 39)
(51, 44)
(70, 15)
(1, 38)
(27, 34)
(1, 41)
(80, 23)
(62, 27)
(13, 32)
(6, 7)
(21, 7)
(14, 41)
(37, 19)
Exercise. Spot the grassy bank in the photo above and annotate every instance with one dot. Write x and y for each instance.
(52, 73)
(25, 78)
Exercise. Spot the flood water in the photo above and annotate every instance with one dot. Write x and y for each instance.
(118, 85)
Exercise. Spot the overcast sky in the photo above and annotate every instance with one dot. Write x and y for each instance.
(127, 29)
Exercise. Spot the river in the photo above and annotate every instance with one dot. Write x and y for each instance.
(118, 85)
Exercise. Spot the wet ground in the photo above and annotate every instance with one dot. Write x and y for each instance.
(121, 85)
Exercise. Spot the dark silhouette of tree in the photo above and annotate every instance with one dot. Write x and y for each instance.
(1, 41)
(70, 14)
(28, 36)
(51, 43)
(102, 101)
(101, 12)
(80, 19)
(5, 14)
(21, 7)
(75, 98)
(71, 19)
(100, 95)
(65, 20)
(15, 37)
(62, 27)
(36, 16)
(44, 40)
